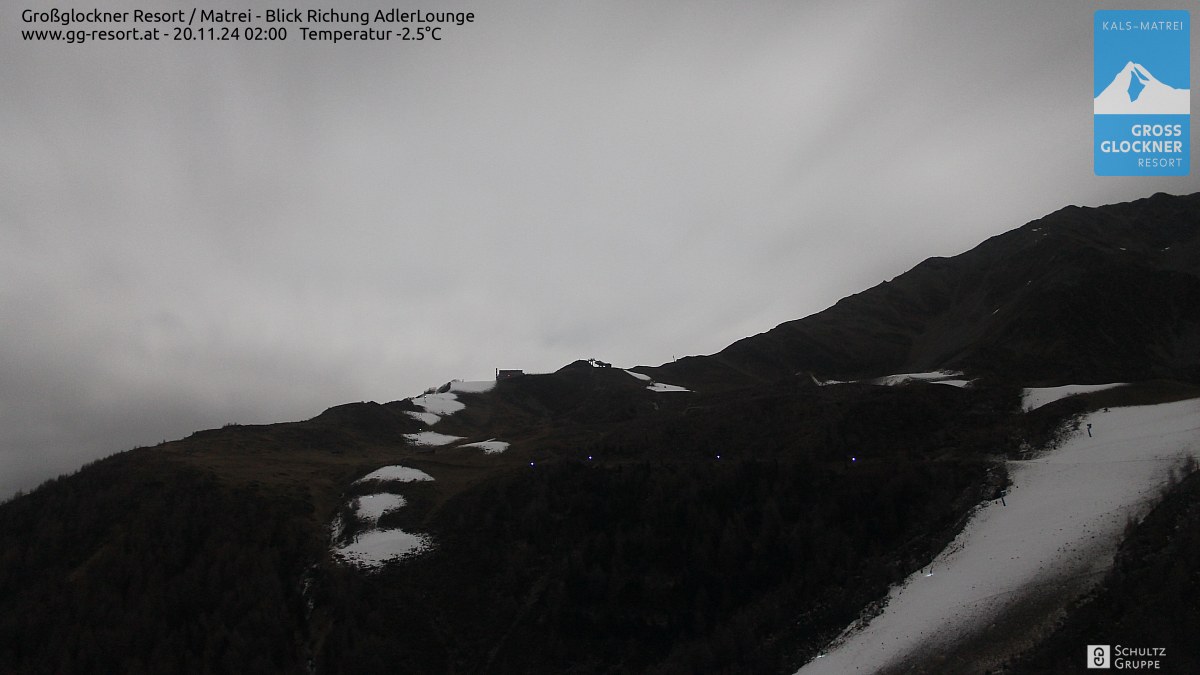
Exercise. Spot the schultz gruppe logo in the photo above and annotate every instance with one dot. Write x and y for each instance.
(1098, 656)
(1142, 93)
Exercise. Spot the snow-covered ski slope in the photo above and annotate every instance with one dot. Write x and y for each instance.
(375, 546)
(1064, 517)
(441, 405)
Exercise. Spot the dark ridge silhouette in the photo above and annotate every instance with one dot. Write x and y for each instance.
(1083, 294)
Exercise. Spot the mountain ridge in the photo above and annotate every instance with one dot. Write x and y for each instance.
(940, 313)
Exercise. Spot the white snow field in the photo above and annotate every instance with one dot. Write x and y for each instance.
(375, 547)
(395, 472)
(1063, 521)
(1037, 397)
(431, 438)
(439, 404)
(371, 507)
(489, 447)
(644, 378)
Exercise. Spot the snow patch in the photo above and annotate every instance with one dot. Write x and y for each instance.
(371, 507)
(375, 547)
(1061, 524)
(1037, 397)
(950, 377)
(904, 378)
(396, 472)
(427, 418)
(431, 438)
(656, 386)
(439, 404)
(490, 446)
(825, 383)
(659, 386)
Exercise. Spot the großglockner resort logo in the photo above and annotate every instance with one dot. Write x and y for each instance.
(1142, 92)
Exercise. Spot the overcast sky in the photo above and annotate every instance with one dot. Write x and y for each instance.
(200, 233)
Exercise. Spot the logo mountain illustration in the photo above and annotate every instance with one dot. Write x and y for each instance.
(1135, 91)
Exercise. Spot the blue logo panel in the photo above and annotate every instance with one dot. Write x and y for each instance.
(1141, 92)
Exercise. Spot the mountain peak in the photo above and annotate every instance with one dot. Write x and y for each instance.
(1135, 90)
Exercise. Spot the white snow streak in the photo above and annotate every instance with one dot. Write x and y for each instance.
(395, 472)
(659, 386)
(1039, 396)
(427, 418)
(490, 446)
(904, 378)
(954, 383)
(825, 383)
(656, 386)
(431, 438)
(950, 377)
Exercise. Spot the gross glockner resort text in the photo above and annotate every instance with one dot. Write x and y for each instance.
(1141, 146)
(1144, 131)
